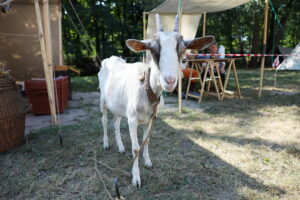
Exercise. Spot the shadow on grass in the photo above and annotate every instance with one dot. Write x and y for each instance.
(249, 104)
(245, 141)
(182, 169)
(196, 172)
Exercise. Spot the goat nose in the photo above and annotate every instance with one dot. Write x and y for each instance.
(170, 80)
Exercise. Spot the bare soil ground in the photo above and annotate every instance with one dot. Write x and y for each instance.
(76, 111)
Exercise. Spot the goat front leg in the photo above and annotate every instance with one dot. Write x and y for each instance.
(147, 131)
(117, 121)
(104, 124)
(133, 124)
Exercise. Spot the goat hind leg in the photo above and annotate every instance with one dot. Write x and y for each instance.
(104, 124)
(117, 121)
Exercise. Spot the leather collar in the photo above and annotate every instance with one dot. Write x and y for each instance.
(154, 100)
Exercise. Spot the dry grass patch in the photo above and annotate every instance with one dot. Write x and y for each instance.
(236, 149)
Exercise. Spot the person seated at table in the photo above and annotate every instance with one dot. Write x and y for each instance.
(214, 49)
(186, 72)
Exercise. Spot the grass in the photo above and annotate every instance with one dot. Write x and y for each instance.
(85, 84)
(235, 149)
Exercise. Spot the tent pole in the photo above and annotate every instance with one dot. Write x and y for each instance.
(47, 28)
(204, 24)
(144, 33)
(60, 46)
(144, 25)
(262, 66)
(47, 68)
(179, 69)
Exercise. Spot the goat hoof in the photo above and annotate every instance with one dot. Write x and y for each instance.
(122, 150)
(106, 148)
(148, 164)
(137, 182)
(105, 145)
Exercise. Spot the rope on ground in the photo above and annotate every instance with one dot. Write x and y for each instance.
(112, 169)
(101, 179)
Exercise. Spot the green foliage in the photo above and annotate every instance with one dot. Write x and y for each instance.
(85, 84)
(109, 23)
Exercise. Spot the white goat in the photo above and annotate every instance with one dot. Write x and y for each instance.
(123, 88)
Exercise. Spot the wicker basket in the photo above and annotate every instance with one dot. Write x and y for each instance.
(12, 115)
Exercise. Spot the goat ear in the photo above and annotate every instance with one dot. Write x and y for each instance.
(200, 43)
(138, 45)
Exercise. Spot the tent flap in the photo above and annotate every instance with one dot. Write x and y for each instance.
(292, 62)
(188, 28)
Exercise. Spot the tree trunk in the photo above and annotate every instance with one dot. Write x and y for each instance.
(255, 40)
(278, 33)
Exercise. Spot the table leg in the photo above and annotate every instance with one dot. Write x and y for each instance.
(237, 80)
(220, 82)
(226, 79)
(189, 81)
(199, 71)
(215, 81)
(203, 81)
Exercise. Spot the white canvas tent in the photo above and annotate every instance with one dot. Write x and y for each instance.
(198, 6)
(192, 10)
(30, 32)
(291, 62)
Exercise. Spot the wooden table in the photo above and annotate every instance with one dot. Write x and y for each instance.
(212, 64)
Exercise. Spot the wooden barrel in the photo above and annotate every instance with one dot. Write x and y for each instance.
(12, 115)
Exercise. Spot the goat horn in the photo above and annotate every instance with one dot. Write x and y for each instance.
(158, 23)
(176, 24)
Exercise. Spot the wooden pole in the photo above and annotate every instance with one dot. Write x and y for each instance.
(144, 34)
(204, 25)
(262, 66)
(144, 25)
(179, 12)
(47, 29)
(47, 68)
(60, 46)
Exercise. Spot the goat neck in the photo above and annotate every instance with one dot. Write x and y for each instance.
(154, 78)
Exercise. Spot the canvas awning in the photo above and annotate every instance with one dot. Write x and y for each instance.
(191, 14)
(197, 6)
